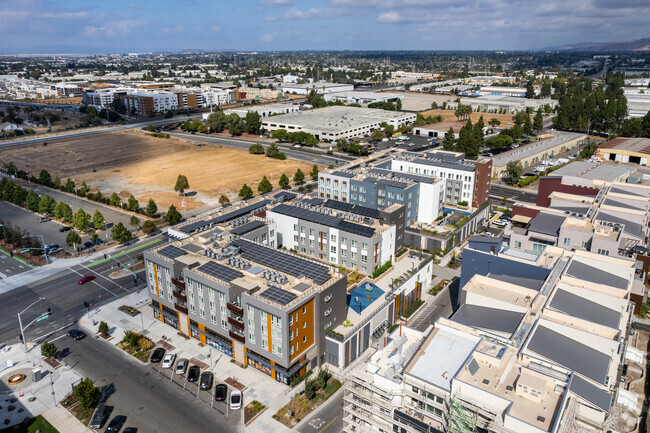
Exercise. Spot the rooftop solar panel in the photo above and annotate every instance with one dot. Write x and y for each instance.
(240, 212)
(220, 271)
(324, 219)
(243, 229)
(355, 209)
(276, 294)
(171, 252)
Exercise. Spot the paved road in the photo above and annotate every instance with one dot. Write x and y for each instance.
(327, 419)
(149, 400)
(28, 220)
(10, 266)
(512, 194)
(440, 307)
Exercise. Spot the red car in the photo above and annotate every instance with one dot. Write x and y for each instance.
(86, 279)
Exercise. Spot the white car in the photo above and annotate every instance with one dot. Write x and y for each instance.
(235, 399)
(500, 223)
(168, 360)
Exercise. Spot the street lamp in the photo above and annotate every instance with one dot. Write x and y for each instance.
(20, 322)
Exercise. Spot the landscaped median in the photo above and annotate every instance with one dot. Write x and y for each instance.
(317, 391)
(36, 424)
(137, 345)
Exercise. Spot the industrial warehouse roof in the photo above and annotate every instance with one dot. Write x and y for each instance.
(583, 308)
(546, 223)
(637, 145)
(570, 353)
(487, 318)
(534, 148)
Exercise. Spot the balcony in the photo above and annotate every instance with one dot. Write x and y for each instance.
(178, 283)
(236, 323)
(180, 295)
(181, 308)
(236, 336)
(235, 308)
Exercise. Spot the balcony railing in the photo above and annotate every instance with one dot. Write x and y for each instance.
(235, 308)
(181, 308)
(178, 283)
(236, 323)
(236, 336)
(180, 295)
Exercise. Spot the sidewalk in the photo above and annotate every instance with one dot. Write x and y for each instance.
(64, 421)
(259, 386)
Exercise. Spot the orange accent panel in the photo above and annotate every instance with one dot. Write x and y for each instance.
(155, 275)
(269, 333)
(202, 338)
(309, 317)
(162, 319)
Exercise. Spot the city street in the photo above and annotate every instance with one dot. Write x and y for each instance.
(326, 419)
(10, 266)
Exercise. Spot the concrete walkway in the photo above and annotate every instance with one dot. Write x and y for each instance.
(259, 386)
(64, 421)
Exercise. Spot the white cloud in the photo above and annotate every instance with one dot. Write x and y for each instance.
(391, 17)
(270, 37)
(115, 28)
(297, 14)
(215, 28)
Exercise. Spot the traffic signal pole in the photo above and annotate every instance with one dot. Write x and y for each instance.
(39, 318)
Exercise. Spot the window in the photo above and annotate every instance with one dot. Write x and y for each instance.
(344, 241)
(222, 297)
(202, 313)
(333, 249)
(251, 324)
(567, 242)
(265, 345)
(304, 310)
(354, 244)
(212, 296)
(251, 310)
(328, 312)
(517, 245)
(415, 389)
(304, 325)
(311, 232)
(292, 350)
(603, 252)
(291, 336)
(364, 247)
(251, 337)
(333, 238)
(213, 319)
(327, 299)
(304, 339)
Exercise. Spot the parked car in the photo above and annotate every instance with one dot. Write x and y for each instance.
(168, 361)
(65, 228)
(86, 278)
(220, 392)
(157, 354)
(88, 244)
(99, 417)
(54, 251)
(505, 217)
(130, 430)
(500, 223)
(181, 366)
(235, 399)
(206, 380)
(154, 233)
(116, 424)
(44, 219)
(193, 373)
(77, 334)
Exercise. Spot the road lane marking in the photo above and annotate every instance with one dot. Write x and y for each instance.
(328, 424)
(108, 279)
(155, 241)
(80, 274)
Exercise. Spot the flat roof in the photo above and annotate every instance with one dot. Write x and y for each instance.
(534, 148)
(584, 271)
(487, 318)
(629, 226)
(608, 172)
(443, 126)
(583, 308)
(546, 223)
(440, 358)
(637, 145)
(596, 396)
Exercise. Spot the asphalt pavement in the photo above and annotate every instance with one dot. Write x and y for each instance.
(326, 419)
(512, 194)
(28, 220)
(10, 266)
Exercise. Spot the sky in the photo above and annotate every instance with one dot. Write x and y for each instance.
(121, 26)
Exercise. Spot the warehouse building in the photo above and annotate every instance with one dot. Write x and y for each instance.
(335, 122)
(358, 97)
(321, 87)
(438, 130)
(266, 110)
(511, 104)
(535, 153)
(625, 149)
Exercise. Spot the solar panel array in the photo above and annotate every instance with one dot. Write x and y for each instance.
(276, 294)
(225, 217)
(171, 252)
(247, 228)
(352, 208)
(285, 196)
(283, 262)
(324, 219)
(220, 271)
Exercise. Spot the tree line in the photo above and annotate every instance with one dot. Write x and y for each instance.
(265, 185)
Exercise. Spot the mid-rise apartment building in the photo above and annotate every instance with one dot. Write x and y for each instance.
(150, 103)
(226, 284)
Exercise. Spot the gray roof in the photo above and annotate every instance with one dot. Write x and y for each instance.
(590, 392)
(485, 239)
(576, 209)
(583, 308)
(612, 202)
(398, 174)
(546, 223)
(488, 318)
(583, 271)
(629, 190)
(343, 174)
(631, 228)
(530, 283)
(570, 353)
(440, 163)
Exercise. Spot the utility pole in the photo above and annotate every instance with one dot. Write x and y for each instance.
(20, 321)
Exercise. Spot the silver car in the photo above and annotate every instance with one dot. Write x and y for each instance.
(181, 366)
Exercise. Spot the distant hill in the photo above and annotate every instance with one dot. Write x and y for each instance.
(631, 45)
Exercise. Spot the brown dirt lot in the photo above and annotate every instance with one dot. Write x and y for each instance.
(448, 116)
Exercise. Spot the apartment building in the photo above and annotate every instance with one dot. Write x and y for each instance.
(98, 98)
(225, 284)
(342, 238)
(371, 186)
(150, 103)
(602, 217)
(537, 345)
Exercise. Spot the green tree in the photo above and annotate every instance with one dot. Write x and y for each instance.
(44, 178)
(273, 152)
(494, 122)
(545, 91)
(377, 135)
(530, 89)
(265, 186)
(115, 200)
(253, 122)
(80, 220)
(223, 200)
(181, 184)
(528, 125)
(322, 377)
(450, 138)
(120, 233)
(56, 183)
(235, 125)
(280, 135)
(134, 222)
(314, 172)
(49, 350)
(151, 209)
(72, 238)
(103, 328)
(499, 142)
(310, 389)
(69, 185)
(284, 181)
(217, 121)
(132, 204)
(32, 201)
(538, 123)
(245, 192)
(98, 219)
(46, 205)
(588, 150)
(514, 170)
(63, 211)
(311, 140)
(148, 226)
(173, 216)
(87, 393)
(299, 176)
(256, 149)
(398, 105)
